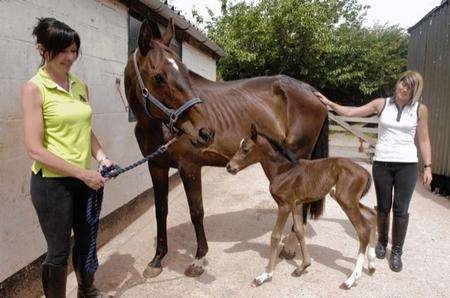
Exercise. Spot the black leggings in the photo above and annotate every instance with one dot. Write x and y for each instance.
(397, 176)
(60, 204)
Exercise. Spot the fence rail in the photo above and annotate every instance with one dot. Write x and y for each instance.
(356, 126)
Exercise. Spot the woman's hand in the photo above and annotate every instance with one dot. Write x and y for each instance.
(105, 162)
(322, 98)
(427, 176)
(93, 179)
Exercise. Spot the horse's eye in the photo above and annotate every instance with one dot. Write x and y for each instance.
(159, 79)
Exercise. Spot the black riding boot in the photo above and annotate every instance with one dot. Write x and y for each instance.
(383, 231)
(54, 280)
(86, 288)
(399, 227)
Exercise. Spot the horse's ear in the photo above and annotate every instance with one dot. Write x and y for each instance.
(145, 37)
(170, 32)
(253, 132)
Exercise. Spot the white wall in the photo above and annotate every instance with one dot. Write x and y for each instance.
(199, 62)
(103, 28)
(102, 25)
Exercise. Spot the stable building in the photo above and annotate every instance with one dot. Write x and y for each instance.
(108, 31)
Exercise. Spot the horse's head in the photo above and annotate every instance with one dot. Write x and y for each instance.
(248, 153)
(166, 79)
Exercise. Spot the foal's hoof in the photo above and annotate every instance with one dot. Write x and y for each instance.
(151, 272)
(286, 254)
(371, 271)
(259, 280)
(299, 271)
(194, 271)
(344, 286)
(256, 283)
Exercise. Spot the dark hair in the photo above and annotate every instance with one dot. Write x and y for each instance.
(54, 36)
(288, 154)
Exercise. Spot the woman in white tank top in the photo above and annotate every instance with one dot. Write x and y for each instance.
(395, 160)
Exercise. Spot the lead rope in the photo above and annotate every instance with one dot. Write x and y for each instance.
(94, 204)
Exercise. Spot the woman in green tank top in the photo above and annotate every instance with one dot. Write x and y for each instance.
(60, 140)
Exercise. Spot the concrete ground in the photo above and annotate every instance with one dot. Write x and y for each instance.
(239, 217)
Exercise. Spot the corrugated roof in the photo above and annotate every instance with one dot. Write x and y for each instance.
(428, 15)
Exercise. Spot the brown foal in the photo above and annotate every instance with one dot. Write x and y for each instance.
(301, 181)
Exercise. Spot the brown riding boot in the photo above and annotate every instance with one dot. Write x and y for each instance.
(399, 228)
(383, 231)
(54, 279)
(86, 288)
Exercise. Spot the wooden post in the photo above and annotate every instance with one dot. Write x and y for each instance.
(361, 147)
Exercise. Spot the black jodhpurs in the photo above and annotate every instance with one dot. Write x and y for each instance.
(397, 176)
(60, 204)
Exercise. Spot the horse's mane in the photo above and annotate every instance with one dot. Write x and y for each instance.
(278, 147)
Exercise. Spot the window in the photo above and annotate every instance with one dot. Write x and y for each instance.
(134, 24)
(133, 33)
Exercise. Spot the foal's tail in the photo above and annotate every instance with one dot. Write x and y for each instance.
(368, 183)
(315, 209)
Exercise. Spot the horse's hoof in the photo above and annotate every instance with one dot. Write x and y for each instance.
(151, 272)
(287, 255)
(194, 271)
(371, 271)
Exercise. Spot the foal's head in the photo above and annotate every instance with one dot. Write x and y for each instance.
(257, 147)
(167, 79)
(249, 152)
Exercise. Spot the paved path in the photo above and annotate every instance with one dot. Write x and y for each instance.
(239, 217)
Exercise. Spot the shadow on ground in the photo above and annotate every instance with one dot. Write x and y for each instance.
(243, 227)
(427, 194)
(118, 273)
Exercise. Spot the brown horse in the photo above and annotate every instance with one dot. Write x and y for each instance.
(301, 181)
(285, 109)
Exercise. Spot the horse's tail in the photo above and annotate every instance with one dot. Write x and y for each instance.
(315, 209)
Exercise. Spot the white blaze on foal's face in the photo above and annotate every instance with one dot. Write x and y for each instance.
(174, 63)
(242, 142)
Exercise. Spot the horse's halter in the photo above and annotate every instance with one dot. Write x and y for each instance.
(171, 114)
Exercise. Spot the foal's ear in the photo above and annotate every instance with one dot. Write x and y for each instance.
(145, 37)
(253, 132)
(170, 32)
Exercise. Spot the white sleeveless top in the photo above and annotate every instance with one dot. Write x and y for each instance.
(396, 132)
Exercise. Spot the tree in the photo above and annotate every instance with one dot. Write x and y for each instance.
(316, 41)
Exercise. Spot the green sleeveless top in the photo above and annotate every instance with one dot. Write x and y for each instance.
(67, 122)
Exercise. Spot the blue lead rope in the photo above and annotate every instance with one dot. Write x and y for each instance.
(93, 208)
(94, 205)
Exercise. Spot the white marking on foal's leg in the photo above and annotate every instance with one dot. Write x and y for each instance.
(242, 141)
(356, 272)
(371, 258)
(266, 276)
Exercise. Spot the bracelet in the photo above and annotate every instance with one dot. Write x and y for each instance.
(427, 166)
(103, 159)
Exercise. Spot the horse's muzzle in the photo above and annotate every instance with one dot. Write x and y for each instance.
(231, 169)
(205, 137)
